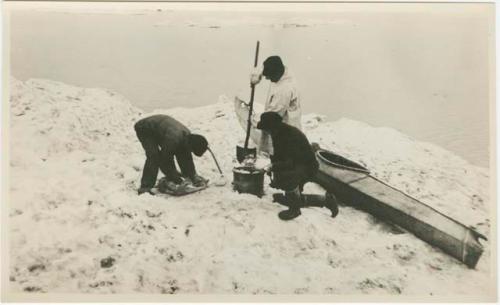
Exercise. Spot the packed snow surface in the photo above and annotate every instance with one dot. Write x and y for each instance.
(76, 223)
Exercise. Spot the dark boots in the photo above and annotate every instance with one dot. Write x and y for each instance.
(294, 200)
(309, 200)
(332, 204)
(280, 198)
(143, 190)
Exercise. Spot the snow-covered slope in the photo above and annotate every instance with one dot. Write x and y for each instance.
(77, 224)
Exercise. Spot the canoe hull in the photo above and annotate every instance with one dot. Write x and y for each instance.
(361, 190)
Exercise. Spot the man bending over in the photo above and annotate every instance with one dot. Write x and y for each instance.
(164, 138)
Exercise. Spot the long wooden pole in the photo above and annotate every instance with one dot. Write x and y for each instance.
(249, 122)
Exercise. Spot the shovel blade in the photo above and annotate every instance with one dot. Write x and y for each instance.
(242, 153)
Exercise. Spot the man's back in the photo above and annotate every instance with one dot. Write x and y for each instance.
(169, 132)
(290, 144)
(283, 98)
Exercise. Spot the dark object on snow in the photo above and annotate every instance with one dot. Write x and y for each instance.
(184, 188)
(36, 267)
(248, 180)
(289, 214)
(353, 185)
(294, 200)
(143, 190)
(244, 152)
(107, 262)
(328, 201)
(164, 138)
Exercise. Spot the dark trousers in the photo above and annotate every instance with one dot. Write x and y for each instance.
(293, 197)
(290, 179)
(155, 160)
(307, 200)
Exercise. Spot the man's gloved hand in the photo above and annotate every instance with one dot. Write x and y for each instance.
(255, 76)
(199, 181)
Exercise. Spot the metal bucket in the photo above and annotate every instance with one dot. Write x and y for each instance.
(248, 180)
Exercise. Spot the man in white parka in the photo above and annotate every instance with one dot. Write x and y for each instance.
(283, 97)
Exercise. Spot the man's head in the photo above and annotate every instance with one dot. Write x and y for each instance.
(273, 68)
(269, 121)
(198, 144)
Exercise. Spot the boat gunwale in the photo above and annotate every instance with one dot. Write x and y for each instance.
(359, 168)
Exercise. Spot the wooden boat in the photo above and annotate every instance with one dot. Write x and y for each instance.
(353, 185)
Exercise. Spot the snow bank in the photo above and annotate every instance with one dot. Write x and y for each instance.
(77, 224)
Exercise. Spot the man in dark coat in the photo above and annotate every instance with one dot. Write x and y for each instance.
(293, 164)
(164, 138)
